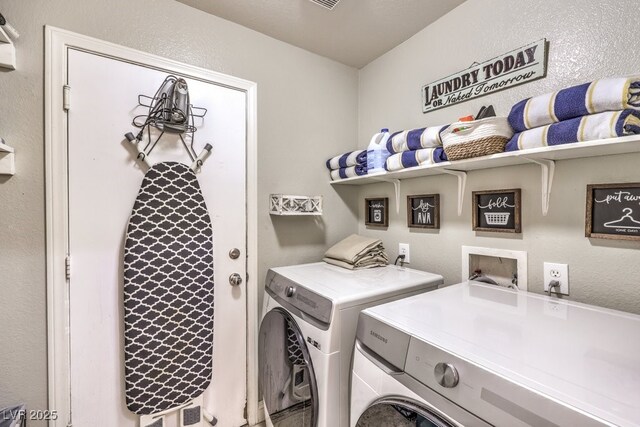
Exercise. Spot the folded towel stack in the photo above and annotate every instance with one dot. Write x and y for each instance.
(415, 139)
(357, 252)
(415, 147)
(348, 165)
(412, 158)
(605, 108)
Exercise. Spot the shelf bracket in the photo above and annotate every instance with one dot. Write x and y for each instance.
(396, 187)
(462, 184)
(547, 170)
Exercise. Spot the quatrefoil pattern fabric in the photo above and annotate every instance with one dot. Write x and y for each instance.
(168, 292)
(294, 351)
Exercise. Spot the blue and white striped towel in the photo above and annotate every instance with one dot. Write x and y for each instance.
(612, 94)
(350, 172)
(409, 159)
(415, 139)
(609, 124)
(352, 158)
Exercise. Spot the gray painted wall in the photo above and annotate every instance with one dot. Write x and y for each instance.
(307, 109)
(588, 40)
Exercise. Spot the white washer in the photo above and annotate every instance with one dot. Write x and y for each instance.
(308, 332)
(473, 354)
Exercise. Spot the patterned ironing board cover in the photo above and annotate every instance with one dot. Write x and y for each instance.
(168, 292)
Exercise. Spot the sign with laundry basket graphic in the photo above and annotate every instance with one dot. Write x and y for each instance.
(613, 211)
(497, 210)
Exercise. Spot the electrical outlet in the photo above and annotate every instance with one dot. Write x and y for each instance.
(559, 272)
(403, 249)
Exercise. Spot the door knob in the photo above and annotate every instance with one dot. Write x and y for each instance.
(235, 279)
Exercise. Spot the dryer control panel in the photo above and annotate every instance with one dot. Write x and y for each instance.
(299, 300)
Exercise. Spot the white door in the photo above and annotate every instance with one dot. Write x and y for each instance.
(103, 183)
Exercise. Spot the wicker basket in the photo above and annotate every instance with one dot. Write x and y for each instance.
(462, 140)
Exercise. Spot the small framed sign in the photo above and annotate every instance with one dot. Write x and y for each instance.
(497, 210)
(377, 212)
(613, 211)
(423, 211)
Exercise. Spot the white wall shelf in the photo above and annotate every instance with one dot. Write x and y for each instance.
(7, 159)
(282, 204)
(544, 156)
(7, 51)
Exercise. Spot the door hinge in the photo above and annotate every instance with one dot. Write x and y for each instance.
(66, 99)
(67, 267)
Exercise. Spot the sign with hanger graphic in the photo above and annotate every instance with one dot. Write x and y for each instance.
(613, 211)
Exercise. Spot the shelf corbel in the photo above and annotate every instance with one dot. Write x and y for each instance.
(396, 187)
(547, 170)
(462, 184)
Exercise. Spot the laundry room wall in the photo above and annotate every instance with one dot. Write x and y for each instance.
(307, 110)
(588, 40)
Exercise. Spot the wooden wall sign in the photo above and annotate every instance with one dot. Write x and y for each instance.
(519, 66)
(497, 210)
(377, 212)
(423, 211)
(613, 211)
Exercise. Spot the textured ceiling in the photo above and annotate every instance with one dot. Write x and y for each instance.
(355, 32)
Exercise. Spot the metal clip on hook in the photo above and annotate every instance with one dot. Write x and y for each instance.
(199, 161)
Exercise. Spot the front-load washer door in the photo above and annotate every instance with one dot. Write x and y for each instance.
(287, 380)
(403, 412)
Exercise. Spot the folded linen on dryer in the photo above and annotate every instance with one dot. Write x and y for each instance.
(349, 172)
(409, 159)
(357, 251)
(609, 124)
(352, 158)
(415, 139)
(609, 94)
(366, 262)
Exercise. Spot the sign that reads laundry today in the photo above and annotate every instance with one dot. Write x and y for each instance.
(519, 66)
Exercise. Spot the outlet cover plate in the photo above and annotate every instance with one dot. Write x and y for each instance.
(559, 272)
(403, 249)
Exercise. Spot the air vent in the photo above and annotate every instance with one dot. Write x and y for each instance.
(327, 4)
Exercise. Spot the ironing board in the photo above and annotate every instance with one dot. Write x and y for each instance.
(168, 292)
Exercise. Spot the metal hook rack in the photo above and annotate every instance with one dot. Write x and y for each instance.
(169, 110)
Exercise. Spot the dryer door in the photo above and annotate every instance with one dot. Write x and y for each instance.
(287, 379)
(403, 412)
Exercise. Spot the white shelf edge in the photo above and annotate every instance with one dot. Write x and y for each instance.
(7, 160)
(296, 213)
(578, 150)
(4, 38)
(7, 51)
(4, 148)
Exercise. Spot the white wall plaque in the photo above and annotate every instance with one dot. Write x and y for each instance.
(519, 66)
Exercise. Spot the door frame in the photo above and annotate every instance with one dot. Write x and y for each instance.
(57, 44)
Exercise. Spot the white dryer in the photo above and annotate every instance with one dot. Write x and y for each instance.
(308, 332)
(476, 355)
